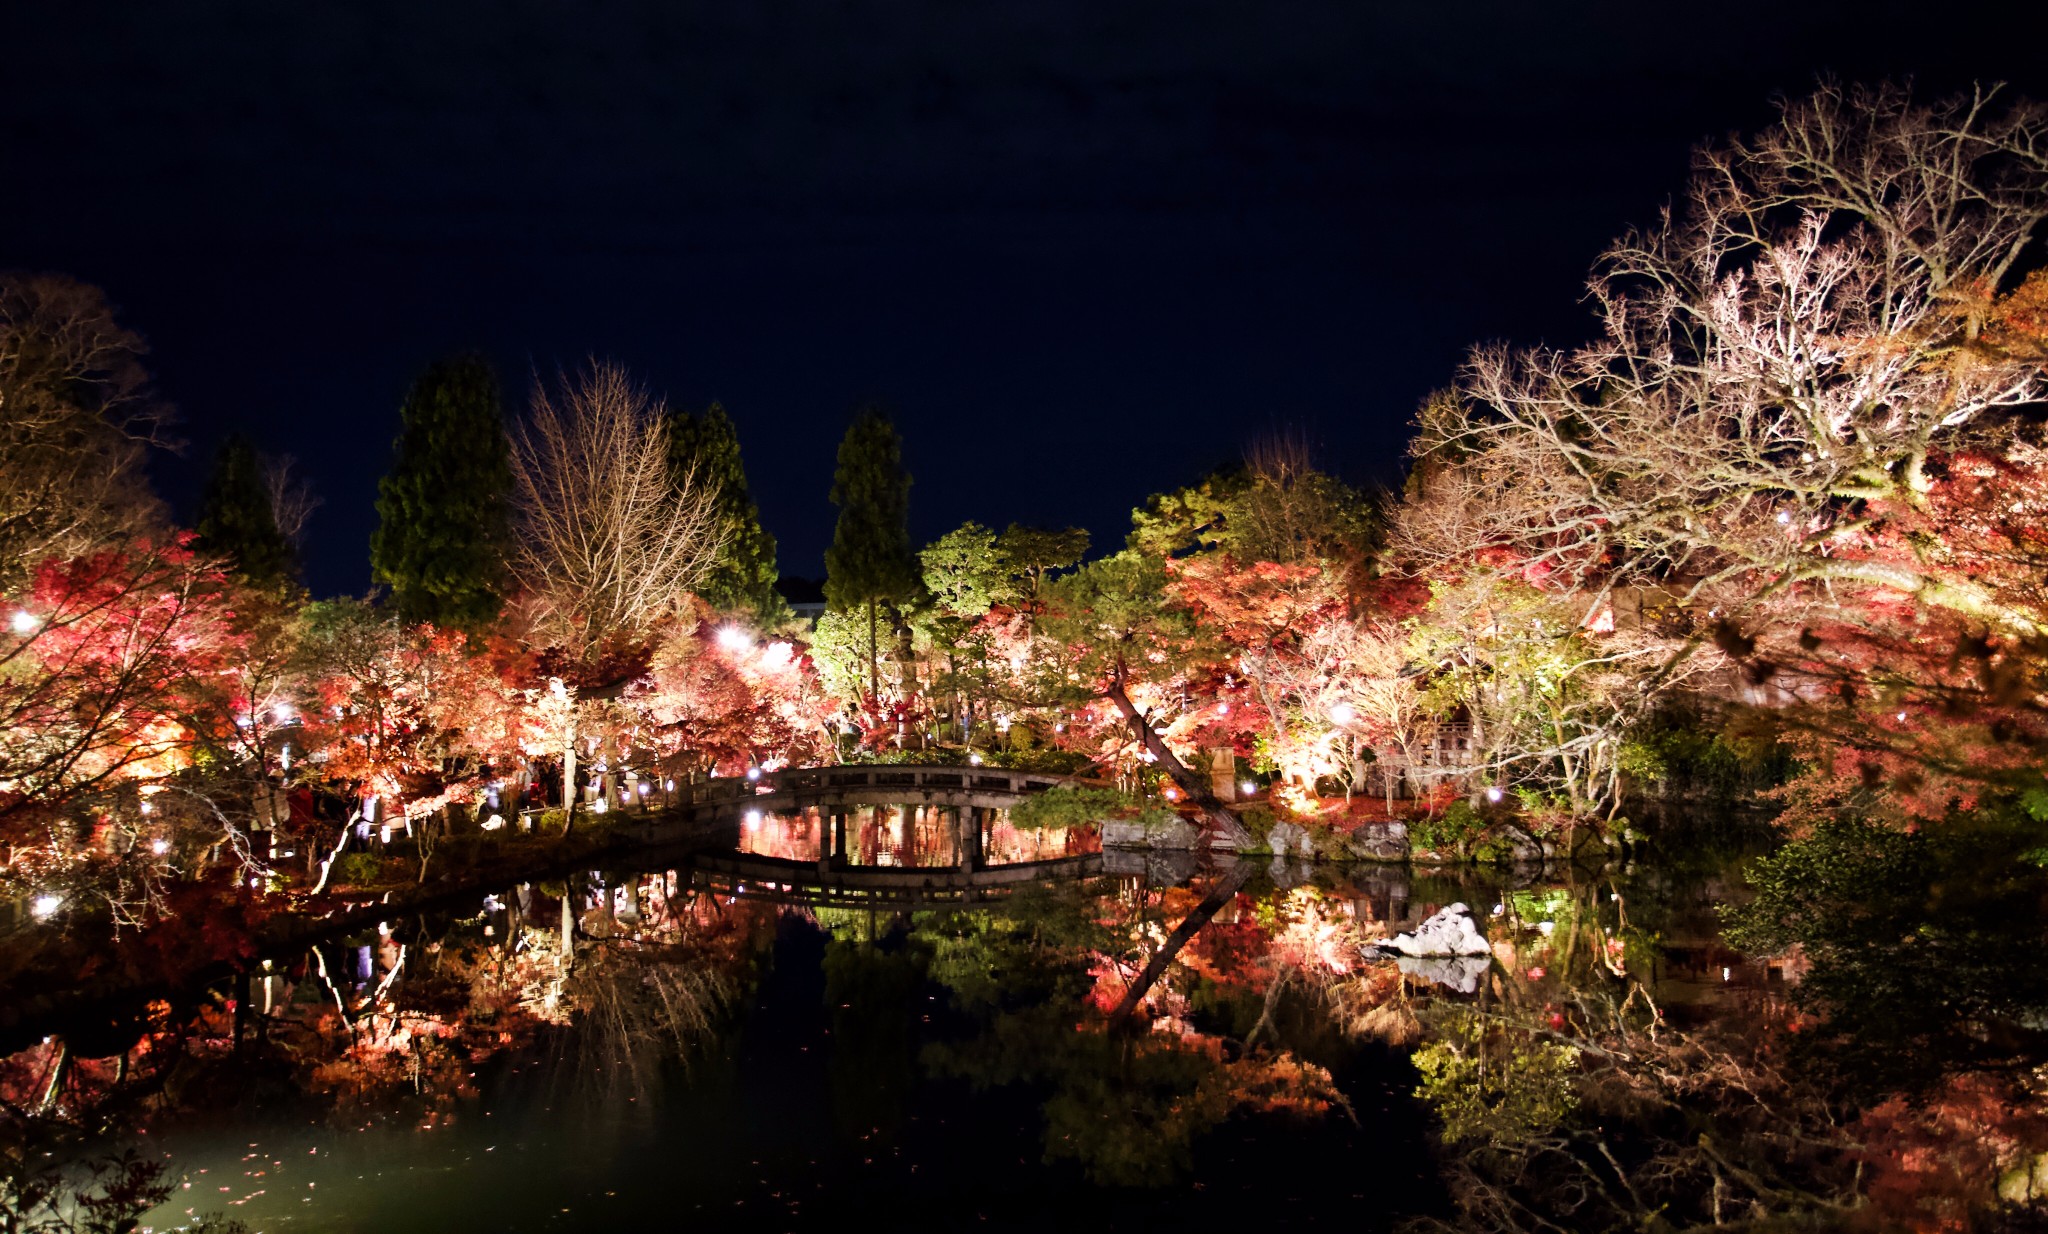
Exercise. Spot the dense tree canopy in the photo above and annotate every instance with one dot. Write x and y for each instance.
(443, 509)
(870, 563)
(237, 521)
(742, 579)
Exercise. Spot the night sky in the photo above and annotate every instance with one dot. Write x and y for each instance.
(1083, 250)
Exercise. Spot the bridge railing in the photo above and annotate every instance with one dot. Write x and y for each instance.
(803, 781)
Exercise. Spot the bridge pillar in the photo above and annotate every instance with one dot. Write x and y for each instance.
(838, 840)
(967, 824)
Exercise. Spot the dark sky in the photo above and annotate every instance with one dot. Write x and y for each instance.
(1084, 250)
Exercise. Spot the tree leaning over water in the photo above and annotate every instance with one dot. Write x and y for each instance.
(444, 524)
(870, 562)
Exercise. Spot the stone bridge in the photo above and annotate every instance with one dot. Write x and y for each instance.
(831, 788)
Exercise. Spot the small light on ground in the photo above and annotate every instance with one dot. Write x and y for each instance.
(732, 638)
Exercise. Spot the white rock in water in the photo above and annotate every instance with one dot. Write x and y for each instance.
(1460, 973)
(1451, 931)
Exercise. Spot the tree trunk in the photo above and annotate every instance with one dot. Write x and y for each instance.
(1225, 890)
(569, 778)
(1227, 830)
(874, 656)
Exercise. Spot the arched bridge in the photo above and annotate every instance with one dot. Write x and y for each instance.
(851, 787)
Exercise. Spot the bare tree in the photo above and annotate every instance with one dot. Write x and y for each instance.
(292, 499)
(77, 415)
(1790, 344)
(609, 540)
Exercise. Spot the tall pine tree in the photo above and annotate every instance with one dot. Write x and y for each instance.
(443, 519)
(743, 577)
(870, 562)
(236, 521)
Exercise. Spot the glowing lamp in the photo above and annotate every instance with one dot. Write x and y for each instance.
(1342, 713)
(734, 639)
(753, 773)
(23, 621)
(974, 760)
(1248, 788)
(159, 847)
(45, 907)
(1493, 794)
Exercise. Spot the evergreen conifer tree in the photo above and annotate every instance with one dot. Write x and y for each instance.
(443, 523)
(236, 521)
(870, 562)
(743, 577)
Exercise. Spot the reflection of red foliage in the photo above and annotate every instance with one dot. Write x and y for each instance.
(1932, 1163)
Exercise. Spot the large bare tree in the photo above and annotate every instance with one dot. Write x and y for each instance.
(1796, 340)
(609, 540)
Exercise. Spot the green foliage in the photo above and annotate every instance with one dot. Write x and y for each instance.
(1052, 762)
(1169, 524)
(1495, 1083)
(1919, 954)
(870, 560)
(743, 577)
(236, 521)
(1450, 831)
(359, 870)
(870, 563)
(1116, 613)
(966, 572)
(1680, 750)
(1033, 553)
(1280, 513)
(1073, 806)
(443, 509)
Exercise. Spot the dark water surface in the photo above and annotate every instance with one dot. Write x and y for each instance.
(801, 1051)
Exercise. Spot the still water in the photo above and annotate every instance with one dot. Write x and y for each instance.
(690, 1045)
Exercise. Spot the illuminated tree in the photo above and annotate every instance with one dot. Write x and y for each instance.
(77, 417)
(1119, 638)
(610, 540)
(1794, 341)
(870, 563)
(98, 664)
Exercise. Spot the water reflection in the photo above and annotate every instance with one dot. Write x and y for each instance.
(643, 1045)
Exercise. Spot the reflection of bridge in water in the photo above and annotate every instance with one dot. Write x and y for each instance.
(753, 876)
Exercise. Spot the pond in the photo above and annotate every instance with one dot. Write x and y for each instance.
(1110, 1046)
